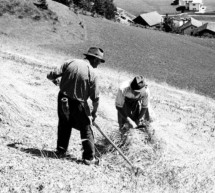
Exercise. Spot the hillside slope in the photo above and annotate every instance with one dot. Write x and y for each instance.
(181, 61)
(179, 159)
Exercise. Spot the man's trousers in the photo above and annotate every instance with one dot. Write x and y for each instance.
(77, 119)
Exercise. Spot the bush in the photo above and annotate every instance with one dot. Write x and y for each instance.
(17, 7)
(181, 8)
(105, 8)
(26, 9)
(65, 2)
(208, 35)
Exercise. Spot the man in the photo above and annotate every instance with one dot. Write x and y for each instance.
(132, 102)
(78, 83)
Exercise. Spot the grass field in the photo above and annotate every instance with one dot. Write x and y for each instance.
(181, 61)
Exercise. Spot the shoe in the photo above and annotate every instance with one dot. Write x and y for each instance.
(60, 154)
(94, 161)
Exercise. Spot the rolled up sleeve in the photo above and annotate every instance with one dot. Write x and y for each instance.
(57, 72)
(120, 99)
(145, 99)
(94, 89)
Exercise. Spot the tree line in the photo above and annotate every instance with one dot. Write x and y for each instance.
(105, 8)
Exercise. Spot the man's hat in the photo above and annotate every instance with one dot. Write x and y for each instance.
(96, 52)
(138, 84)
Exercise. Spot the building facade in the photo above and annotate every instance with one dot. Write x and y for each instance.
(193, 5)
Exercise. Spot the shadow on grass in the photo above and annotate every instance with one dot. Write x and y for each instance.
(41, 153)
(103, 146)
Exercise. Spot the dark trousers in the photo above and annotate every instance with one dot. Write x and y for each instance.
(134, 115)
(79, 120)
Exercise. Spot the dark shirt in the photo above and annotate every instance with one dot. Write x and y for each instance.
(78, 81)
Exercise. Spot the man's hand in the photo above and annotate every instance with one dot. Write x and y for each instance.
(140, 123)
(91, 121)
(94, 115)
(56, 81)
(131, 123)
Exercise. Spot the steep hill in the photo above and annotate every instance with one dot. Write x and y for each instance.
(180, 158)
(181, 61)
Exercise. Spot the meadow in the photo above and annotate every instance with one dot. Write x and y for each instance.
(181, 61)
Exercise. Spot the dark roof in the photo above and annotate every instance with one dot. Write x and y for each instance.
(181, 17)
(207, 26)
(151, 18)
(192, 22)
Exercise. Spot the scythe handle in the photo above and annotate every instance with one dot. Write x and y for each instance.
(120, 152)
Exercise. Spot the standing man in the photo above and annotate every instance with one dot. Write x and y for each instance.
(132, 102)
(78, 83)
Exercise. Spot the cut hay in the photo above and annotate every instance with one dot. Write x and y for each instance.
(139, 145)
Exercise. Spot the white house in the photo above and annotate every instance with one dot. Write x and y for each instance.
(185, 3)
(193, 5)
(124, 17)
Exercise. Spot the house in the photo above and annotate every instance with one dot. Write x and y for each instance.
(193, 5)
(179, 20)
(188, 27)
(208, 30)
(124, 17)
(197, 5)
(149, 19)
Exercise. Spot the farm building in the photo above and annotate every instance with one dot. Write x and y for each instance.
(149, 19)
(193, 5)
(124, 17)
(189, 26)
(179, 20)
(208, 30)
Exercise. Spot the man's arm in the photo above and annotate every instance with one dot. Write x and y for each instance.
(95, 108)
(53, 75)
(94, 95)
(120, 100)
(56, 73)
(126, 117)
(142, 113)
(144, 105)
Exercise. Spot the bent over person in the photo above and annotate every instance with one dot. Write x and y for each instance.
(132, 102)
(78, 83)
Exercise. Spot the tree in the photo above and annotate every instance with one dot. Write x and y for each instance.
(168, 23)
(181, 8)
(105, 8)
(110, 9)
